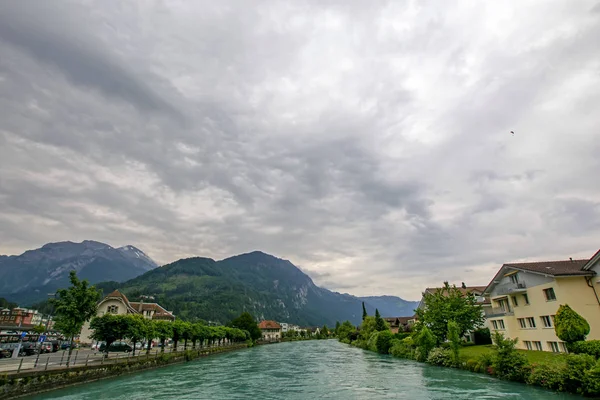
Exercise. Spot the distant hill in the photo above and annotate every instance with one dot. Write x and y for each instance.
(29, 277)
(266, 286)
(392, 306)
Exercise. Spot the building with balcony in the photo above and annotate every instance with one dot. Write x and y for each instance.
(525, 298)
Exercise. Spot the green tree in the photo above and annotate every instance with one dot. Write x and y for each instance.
(149, 333)
(73, 307)
(447, 304)
(179, 328)
(384, 342)
(345, 330)
(199, 333)
(337, 327)
(135, 326)
(454, 338)
(508, 363)
(569, 326)
(364, 315)
(246, 322)
(380, 324)
(109, 328)
(325, 331)
(366, 329)
(425, 342)
(164, 331)
(39, 329)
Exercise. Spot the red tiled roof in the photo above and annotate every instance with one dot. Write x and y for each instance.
(395, 321)
(269, 325)
(116, 293)
(554, 268)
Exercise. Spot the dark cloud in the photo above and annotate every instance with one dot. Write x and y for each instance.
(367, 142)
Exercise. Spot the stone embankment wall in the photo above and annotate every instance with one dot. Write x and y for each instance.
(31, 382)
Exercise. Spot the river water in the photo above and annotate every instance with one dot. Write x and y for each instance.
(324, 369)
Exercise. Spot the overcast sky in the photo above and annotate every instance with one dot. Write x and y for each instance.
(368, 142)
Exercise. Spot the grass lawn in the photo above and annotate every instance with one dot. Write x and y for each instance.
(534, 357)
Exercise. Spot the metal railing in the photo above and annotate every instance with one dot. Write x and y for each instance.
(84, 357)
(497, 312)
(509, 288)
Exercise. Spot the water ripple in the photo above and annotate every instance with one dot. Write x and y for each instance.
(302, 370)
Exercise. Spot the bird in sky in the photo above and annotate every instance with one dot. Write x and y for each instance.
(513, 133)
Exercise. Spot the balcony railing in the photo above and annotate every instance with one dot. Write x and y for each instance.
(510, 288)
(497, 312)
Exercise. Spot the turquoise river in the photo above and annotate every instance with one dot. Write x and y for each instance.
(302, 370)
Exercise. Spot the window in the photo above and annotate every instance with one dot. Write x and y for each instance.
(514, 278)
(504, 305)
(564, 347)
(526, 298)
(530, 322)
(515, 302)
(501, 324)
(522, 323)
(528, 345)
(495, 325)
(112, 309)
(547, 321)
(554, 347)
(549, 293)
(538, 346)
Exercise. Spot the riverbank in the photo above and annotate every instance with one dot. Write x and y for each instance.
(572, 373)
(27, 383)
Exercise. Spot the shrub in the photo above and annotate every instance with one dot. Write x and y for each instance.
(472, 365)
(482, 336)
(372, 342)
(577, 366)
(402, 348)
(591, 347)
(425, 342)
(484, 362)
(591, 385)
(548, 376)
(454, 338)
(440, 356)
(569, 326)
(508, 363)
(401, 335)
(383, 342)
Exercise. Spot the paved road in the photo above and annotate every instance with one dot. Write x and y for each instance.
(78, 357)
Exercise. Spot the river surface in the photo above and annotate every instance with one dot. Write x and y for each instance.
(324, 369)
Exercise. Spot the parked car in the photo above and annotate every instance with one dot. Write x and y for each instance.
(28, 349)
(117, 347)
(66, 345)
(5, 353)
(46, 347)
(96, 346)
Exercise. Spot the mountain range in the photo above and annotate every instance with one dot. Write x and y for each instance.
(29, 277)
(193, 288)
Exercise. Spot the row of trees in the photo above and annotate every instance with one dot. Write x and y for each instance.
(134, 327)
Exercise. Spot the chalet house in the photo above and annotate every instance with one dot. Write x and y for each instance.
(525, 297)
(117, 303)
(271, 330)
(400, 324)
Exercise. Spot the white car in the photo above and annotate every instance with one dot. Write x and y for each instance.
(96, 346)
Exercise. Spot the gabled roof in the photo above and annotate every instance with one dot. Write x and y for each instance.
(548, 268)
(553, 268)
(595, 258)
(395, 321)
(269, 325)
(116, 293)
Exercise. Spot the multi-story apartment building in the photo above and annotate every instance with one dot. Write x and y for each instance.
(526, 296)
